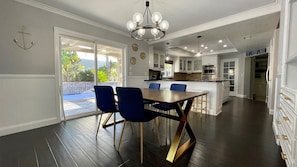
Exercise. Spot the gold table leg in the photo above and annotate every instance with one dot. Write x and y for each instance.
(175, 151)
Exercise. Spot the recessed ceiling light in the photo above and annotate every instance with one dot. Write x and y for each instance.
(211, 50)
(185, 47)
(193, 50)
(225, 46)
(220, 41)
(205, 47)
(202, 45)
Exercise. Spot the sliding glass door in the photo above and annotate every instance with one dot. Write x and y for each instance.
(85, 64)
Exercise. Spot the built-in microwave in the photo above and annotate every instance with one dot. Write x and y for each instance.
(208, 72)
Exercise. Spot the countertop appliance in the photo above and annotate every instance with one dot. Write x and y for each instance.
(208, 72)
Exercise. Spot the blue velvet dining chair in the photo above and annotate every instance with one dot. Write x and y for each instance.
(167, 107)
(131, 108)
(105, 101)
(152, 86)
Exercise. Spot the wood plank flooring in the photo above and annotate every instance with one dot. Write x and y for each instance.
(241, 136)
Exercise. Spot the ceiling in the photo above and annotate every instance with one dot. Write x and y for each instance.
(242, 24)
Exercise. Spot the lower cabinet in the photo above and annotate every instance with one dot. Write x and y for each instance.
(287, 126)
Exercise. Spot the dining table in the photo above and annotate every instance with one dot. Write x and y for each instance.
(175, 98)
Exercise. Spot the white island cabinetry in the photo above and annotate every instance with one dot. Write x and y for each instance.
(215, 91)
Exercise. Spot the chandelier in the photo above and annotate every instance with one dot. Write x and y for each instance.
(147, 32)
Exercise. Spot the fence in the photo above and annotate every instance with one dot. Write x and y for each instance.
(82, 87)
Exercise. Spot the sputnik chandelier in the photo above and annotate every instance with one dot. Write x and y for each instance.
(147, 32)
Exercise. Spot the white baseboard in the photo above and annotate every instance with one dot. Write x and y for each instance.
(241, 96)
(275, 130)
(27, 126)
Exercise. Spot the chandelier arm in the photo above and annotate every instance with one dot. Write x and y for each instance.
(148, 32)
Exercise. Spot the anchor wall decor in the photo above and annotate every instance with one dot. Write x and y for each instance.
(23, 46)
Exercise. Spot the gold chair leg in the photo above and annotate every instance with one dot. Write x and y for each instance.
(122, 135)
(141, 142)
(166, 131)
(99, 123)
(114, 128)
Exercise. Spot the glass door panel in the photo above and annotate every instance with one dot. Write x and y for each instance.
(109, 65)
(77, 62)
(230, 73)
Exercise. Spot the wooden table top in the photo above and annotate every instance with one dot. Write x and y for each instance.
(168, 96)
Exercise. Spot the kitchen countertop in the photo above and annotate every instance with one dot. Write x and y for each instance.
(198, 80)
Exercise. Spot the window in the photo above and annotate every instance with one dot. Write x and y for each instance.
(168, 70)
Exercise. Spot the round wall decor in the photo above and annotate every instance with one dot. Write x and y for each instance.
(142, 55)
(135, 47)
(133, 60)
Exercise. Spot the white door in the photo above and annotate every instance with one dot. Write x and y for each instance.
(229, 71)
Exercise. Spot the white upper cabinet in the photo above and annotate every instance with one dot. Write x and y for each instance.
(210, 60)
(292, 38)
(156, 59)
(188, 64)
(197, 65)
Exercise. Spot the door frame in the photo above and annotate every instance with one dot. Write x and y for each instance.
(236, 72)
(58, 68)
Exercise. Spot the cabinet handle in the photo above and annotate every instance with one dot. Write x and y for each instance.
(287, 98)
(280, 93)
(279, 108)
(284, 156)
(285, 137)
(286, 118)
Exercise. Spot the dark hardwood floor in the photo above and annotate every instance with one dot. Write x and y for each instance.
(241, 136)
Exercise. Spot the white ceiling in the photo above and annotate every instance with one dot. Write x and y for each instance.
(229, 20)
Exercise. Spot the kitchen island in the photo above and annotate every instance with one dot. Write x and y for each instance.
(217, 91)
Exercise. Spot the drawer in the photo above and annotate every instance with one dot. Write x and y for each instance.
(289, 96)
(285, 153)
(288, 140)
(288, 118)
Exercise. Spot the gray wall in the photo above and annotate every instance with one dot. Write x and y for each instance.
(40, 59)
(28, 83)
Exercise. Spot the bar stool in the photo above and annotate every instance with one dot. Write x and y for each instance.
(200, 103)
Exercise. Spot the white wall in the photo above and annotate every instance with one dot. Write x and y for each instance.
(28, 97)
(242, 79)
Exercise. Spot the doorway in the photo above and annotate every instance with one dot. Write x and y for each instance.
(259, 84)
(82, 63)
(230, 73)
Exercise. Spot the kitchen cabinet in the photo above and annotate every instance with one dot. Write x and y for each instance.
(189, 65)
(285, 108)
(156, 59)
(182, 65)
(210, 60)
(197, 65)
(159, 61)
(162, 61)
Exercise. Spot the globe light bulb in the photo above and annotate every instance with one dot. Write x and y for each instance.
(138, 18)
(164, 25)
(141, 32)
(131, 25)
(156, 17)
(154, 32)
